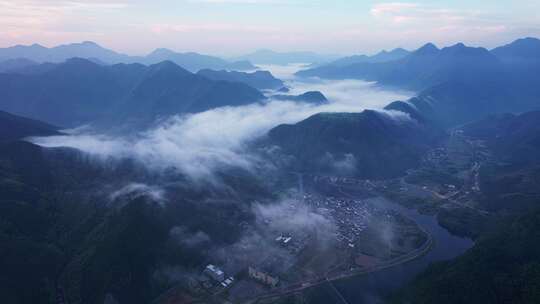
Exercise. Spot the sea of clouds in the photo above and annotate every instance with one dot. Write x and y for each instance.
(199, 144)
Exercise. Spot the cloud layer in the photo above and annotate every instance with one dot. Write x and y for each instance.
(200, 144)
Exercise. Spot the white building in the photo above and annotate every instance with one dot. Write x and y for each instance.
(214, 272)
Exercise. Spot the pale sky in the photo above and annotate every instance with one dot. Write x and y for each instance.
(230, 27)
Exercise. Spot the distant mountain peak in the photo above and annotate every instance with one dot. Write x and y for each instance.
(161, 52)
(428, 48)
(83, 44)
(396, 52)
(90, 43)
(524, 42)
(528, 39)
(169, 67)
(166, 64)
(461, 49)
(524, 49)
(78, 65)
(79, 61)
(15, 127)
(34, 46)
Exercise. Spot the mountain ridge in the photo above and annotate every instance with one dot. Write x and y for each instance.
(191, 61)
(87, 92)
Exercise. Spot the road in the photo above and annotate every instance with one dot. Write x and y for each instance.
(291, 289)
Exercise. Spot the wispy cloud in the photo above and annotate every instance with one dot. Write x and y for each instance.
(416, 14)
(52, 19)
(393, 8)
(135, 190)
(405, 23)
(198, 145)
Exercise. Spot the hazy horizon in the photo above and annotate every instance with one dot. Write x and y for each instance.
(235, 27)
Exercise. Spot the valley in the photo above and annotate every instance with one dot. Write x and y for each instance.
(177, 177)
(440, 189)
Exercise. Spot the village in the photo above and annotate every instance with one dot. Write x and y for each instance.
(361, 237)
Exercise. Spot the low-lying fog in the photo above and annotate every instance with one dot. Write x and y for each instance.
(197, 144)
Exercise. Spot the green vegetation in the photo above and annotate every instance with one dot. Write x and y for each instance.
(504, 264)
(354, 144)
(464, 222)
(58, 229)
(503, 267)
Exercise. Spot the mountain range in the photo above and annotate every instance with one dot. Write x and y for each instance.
(63, 235)
(382, 56)
(502, 267)
(456, 84)
(94, 52)
(511, 180)
(523, 50)
(369, 144)
(14, 127)
(87, 92)
(262, 80)
(17, 64)
(421, 69)
(63, 238)
(314, 97)
(284, 58)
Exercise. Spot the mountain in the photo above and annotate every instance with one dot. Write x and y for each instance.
(503, 267)
(166, 88)
(407, 108)
(522, 65)
(80, 88)
(470, 90)
(510, 181)
(382, 56)
(261, 80)
(278, 58)
(33, 69)
(14, 65)
(87, 92)
(98, 54)
(64, 238)
(14, 127)
(26, 215)
(508, 134)
(48, 218)
(454, 103)
(369, 144)
(194, 61)
(526, 50)
(423, 68)
(314, 97)
(62, 53)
